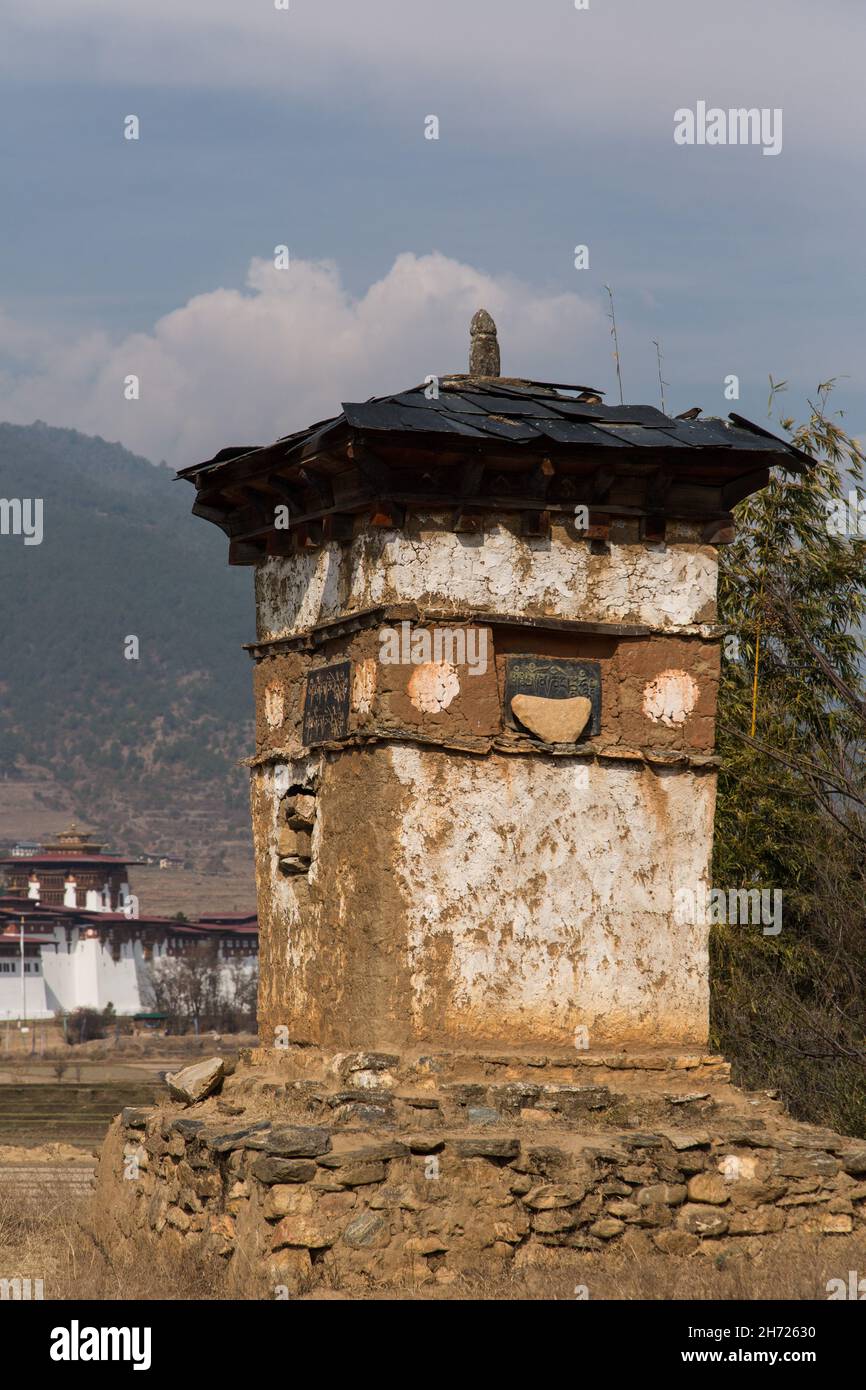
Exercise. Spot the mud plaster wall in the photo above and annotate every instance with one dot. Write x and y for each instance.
(658, 693)
(666, 585)
(454, 899)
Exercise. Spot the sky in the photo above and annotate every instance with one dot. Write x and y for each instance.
(306, 127)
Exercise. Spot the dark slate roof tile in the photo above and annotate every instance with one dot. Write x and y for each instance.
(504, 428)
(447, 401)
(388, 415)
(371, 415)
(500, 410)
(750, 436)
(503, 404)
(700, 434)
(452, 401)
(578, 411)
(438, 422)
(581, 432)
(642, 436)
(633, 415)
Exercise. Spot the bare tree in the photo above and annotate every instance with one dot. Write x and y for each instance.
(198, 990)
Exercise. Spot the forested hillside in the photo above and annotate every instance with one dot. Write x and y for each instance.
(148, 747)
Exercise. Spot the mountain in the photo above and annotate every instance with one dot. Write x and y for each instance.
(146, 749)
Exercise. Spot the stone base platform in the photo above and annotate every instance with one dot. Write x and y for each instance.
(359, 1169)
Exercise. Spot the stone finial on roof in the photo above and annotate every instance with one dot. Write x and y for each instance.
(483, 345)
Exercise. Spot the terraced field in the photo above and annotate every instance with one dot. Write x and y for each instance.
(28, 1182)
(38, 1113)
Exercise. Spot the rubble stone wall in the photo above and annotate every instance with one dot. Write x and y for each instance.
(363, 1168)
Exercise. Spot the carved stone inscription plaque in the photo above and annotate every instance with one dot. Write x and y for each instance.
(554, 678)
(326, 704)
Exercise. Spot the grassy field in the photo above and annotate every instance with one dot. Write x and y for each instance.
(51, 1237)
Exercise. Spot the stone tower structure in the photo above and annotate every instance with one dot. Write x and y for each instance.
(486, 663)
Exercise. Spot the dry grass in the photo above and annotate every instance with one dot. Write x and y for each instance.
(796, 1268)
(55, 1239)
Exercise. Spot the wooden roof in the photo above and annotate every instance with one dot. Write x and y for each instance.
(473, 446)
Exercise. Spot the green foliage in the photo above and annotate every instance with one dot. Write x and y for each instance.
(790, 1010)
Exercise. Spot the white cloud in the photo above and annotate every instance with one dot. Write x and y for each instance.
(238, 367)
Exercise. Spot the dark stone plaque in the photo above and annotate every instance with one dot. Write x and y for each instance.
(326, 704)
(554, 678)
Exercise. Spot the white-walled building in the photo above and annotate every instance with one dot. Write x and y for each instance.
(73, 936)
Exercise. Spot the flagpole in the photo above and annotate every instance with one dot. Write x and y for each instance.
(23, 983)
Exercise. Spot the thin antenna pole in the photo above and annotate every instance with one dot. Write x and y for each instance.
(612, 317)
(662, 384)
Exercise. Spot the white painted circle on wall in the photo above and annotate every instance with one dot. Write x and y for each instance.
(670, 698)
(274, 706)
(433, 685)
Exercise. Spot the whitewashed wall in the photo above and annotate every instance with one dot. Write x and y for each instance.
(669, 586)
